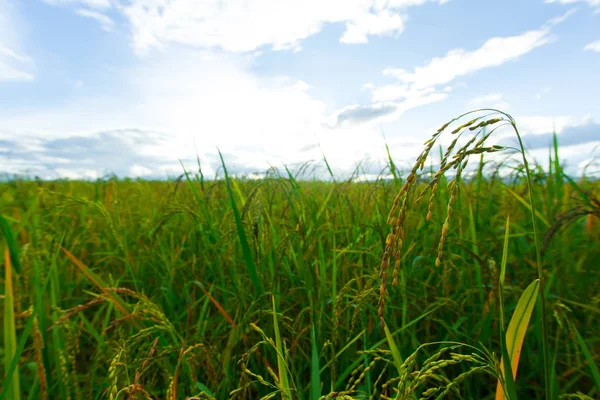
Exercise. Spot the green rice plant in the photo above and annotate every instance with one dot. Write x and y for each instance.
(175, 257)
(475, 145)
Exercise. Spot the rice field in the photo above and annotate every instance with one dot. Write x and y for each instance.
(415, 285)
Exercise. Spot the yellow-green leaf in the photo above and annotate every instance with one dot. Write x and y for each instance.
(517, 327)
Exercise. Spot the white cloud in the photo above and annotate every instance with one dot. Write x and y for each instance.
(76, 173)
(96, 4)
(594, 46)
(356, 115)
(224, 101)
(423, 85)
(593, 3)
(561, 18)
(91, 9)
(105, 22)
(494, 100)
(403, 3)
(200, 101)
(542, 93)
(383, 23)
(458, 62)
(10, 66)
(431, 82)
(577, 156)
(139, 171)
(399, 91)
(8, 53)
(241, 26)
(538, 124)
(13, 65)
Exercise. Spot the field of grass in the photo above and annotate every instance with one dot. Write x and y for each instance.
(290, 288)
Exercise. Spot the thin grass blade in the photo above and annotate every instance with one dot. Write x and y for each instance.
(13, 248)
(218, 306)
(528, 206)
(10, 333)
(281, 365)
(250, 265)
(8, 385)
(394, 349)
(588, 357)
(315, 379)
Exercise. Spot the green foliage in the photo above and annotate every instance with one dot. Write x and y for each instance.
(165, 284)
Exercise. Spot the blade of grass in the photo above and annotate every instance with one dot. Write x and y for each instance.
(557, 169)
(343, 349)
(191, 184)
(250, 265)
(392, 165)
(327, 164)
(12, 368)
(22, 341)
(13, 249)
(315, 379)
(475, 249)
(576, 187)
(10, 333)
(200, 171)
(281, 365)
(504, 260)
(509, 388)
(588, 357)
(507, 383)
(527, 205)
(538, 257)
(394, 349)
(220, 308)
(350, 368)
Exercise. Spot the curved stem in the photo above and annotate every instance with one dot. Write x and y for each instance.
(539, 267)
(540, 272)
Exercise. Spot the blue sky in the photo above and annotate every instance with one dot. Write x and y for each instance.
(89, 87)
